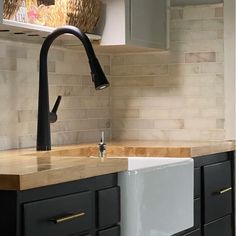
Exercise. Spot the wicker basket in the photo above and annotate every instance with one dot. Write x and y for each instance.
(10, 7)
(83, 14)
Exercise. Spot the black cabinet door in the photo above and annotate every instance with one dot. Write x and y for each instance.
(221, 227)
(60, 216)
(113, 231)
(217, 192)
(197, 182)
(108, 207)
(194, 233)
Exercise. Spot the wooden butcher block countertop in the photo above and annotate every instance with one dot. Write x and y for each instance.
(23, 169)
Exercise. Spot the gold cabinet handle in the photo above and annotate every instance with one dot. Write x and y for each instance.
(67, 218)
(225, 190)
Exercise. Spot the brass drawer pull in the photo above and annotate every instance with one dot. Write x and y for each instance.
(225, 190)
(67, 218)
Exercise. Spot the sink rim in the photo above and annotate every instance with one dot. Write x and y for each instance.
(142, 163)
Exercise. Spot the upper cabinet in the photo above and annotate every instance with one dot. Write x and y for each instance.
(130, 23)
(33, 20)
(136, 23)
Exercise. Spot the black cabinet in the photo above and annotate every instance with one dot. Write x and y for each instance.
(71, 214)
(193, 233)
(213, 196)
(88, 207)
(113, 231)
(108, 206)
(217, 191)
(220, 227)
(197, 182)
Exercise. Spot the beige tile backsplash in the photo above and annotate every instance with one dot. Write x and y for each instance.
(174, 95)
(83, 113)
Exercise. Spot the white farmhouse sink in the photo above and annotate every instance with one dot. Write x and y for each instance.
(156, 196)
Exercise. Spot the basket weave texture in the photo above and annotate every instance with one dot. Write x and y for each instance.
(83, 14)
(10, 7)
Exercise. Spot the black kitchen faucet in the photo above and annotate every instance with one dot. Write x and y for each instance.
(45, 117)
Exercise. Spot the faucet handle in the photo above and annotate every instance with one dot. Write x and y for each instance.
(53, 113)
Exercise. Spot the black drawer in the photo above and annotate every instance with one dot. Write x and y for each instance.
(59, 216)
(221, 227)
(217, 202)
(108, 207)
(113, 231)
(194, 233)
(197, 182)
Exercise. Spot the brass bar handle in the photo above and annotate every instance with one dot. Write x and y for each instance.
(67, 218)
(225, 190)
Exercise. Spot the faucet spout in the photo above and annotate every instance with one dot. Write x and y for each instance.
(98, 77)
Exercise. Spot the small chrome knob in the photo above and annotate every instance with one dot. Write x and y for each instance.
(102, 146)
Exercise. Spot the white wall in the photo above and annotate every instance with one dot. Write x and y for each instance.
(230, 52)
(229, 57)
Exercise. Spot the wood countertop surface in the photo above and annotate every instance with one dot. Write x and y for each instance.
(23, 169)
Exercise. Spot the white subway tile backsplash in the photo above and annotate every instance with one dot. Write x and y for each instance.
(186, 103)
(126, 113)
(212, 24)
(131, 81)
(8, 142)
(184, 69)
(8, 64)
(181, 24)
(216, 45)
(26, 115)
(169, 81)
(59, 79)
(142, 102)
(153, 134)
(127, 70)
(173, 95)
(198, 13)
(219, 12)
(141, 59)
(26, 141)
(27, 65)
(125, 134)
(212, 68)
(200, 57)
(91, 135)
(212, 113)
(15, 52)
(190, 36)
(129, 123)
(200, 123)
(176, 13)
(72, 68)
(82, 108)
(26, 128)
(169, 124)
(98, 113)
